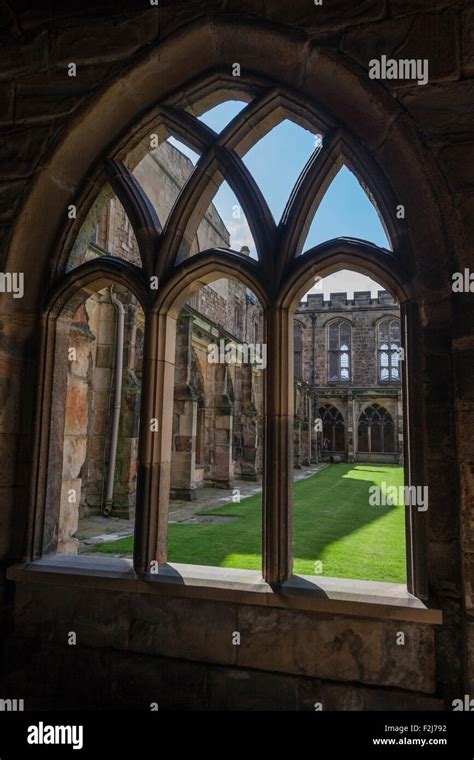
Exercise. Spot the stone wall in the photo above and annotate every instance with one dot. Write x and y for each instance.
(136, 652)
(314, 389)
(363, 314)
(89, 400)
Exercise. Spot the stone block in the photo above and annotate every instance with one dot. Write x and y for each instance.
(98, 619)
(102, 379)
(467, 40)
(88, 44)
(336, 648)
(8, 454)
(74, 456)
(465, 207)
(464, 361)
(442, 111)
(6, 102)
(457, 164)
(407, 7)
(77, 407)
(335, 15)
(232, 690)
(183, 443)
(184, 628)
(342, 698)
(104, 356)
(10, 195)
(31, 55)
(69, 517)
(21, 149)
(80, 366)
(54, 94)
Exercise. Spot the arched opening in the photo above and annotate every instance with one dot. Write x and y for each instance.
(355, 444)
(376, 431)
(91, 494)
(217, 432)
(278, 268)
(333, 431)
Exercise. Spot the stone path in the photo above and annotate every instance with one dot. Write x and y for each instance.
(98, 529)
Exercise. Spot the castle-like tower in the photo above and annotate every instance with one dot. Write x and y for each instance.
(348, 397)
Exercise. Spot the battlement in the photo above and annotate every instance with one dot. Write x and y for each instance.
(336, 301)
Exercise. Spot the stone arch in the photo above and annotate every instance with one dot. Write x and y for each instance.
(66, 302)
(376, 430)
(114, 112)
(333, 431)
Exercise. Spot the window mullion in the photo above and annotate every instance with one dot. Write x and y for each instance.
(278, 469)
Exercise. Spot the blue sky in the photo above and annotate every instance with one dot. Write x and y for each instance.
(275, 162)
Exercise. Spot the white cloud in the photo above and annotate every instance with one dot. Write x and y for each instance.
(240, 235)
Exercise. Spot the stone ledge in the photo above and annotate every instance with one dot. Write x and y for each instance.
(367, 599)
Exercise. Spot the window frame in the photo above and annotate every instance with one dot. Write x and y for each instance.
(382, 414)
(389, 351)
(279, 302)
(338, 352)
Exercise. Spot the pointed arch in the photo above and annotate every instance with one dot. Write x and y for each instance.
(376, 430)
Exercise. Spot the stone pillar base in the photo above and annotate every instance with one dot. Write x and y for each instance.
(69, 546)
(183, 494)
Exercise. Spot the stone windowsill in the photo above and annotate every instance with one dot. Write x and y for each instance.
(371, 599)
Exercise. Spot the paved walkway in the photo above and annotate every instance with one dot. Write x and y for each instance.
(98, 529)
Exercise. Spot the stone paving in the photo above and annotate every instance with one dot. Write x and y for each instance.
(99, 529)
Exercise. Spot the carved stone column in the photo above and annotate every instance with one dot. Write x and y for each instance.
(278, 469)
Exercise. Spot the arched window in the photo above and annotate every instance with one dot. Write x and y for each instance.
(182, 240)
(388, 351)
(333, 431)
(298, 350)
(339, 352)
(376, 431)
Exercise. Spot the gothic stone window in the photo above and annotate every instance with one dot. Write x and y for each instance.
(339, 352)
(376, 430)
(388, 345)
(276, 274)
(333, 429)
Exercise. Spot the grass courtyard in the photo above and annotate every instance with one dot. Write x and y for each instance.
(336, 531)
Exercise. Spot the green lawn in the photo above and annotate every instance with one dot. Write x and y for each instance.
(333, 524)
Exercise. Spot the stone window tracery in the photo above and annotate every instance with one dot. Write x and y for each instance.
(339, 352)
(376, 430)
(171, 271)
(388, 351)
